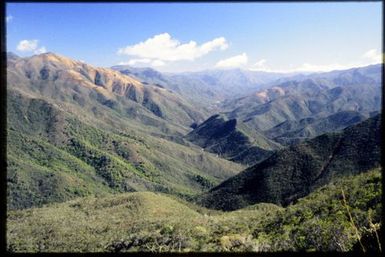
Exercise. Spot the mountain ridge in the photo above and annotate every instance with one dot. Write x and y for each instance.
(234, 141)
(61, 131)
(295, 171)
(51, 74)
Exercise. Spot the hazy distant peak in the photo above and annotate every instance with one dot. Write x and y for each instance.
(12, 55)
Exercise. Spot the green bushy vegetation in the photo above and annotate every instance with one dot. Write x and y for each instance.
(54, 156)
(294, 172)
(99, 162)
(320, 221)
(39, 173)
(145, 221)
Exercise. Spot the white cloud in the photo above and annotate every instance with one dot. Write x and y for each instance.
(157, 63)
(31, 46)
(137, 61)
(373, 55)
(9, 18)
(164, 48)
(260, 66)
(41, 50)
(260, 63)
(140, 62)
(27, 45)
(233, 62)
(307, 67)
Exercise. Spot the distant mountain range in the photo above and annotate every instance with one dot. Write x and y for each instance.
(271, 100)
(300, 109)
(350, 90)
(206, 88)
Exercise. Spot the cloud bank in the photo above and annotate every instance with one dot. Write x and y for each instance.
(373, 55)
(162, 48)
(259, 66)
(134, 62)
(233, 62)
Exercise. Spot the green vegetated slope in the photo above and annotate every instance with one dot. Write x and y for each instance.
(296, 171)
(100, 161)
(145, 221)
(54, 155)
(296, 131)
(232, 140)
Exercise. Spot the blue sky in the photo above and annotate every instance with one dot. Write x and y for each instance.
(195, 36)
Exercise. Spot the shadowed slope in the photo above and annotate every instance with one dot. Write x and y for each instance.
(55, 155)
(231, 140)
(296, 171)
